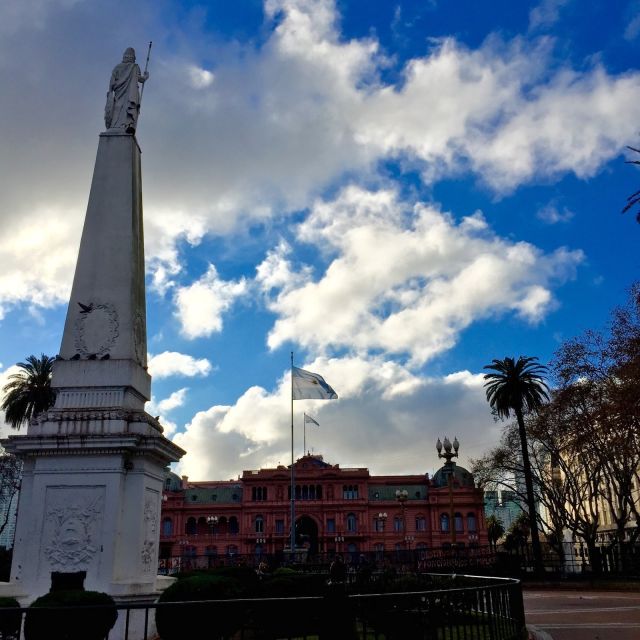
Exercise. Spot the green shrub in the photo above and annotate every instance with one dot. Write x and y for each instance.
(94, 614)
(246, 576)
(291, 584)
(212, 619)
(10, 621)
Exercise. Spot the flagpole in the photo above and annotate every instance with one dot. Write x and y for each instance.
(293, 492)
(304, 437)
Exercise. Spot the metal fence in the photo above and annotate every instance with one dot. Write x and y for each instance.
(482, 609)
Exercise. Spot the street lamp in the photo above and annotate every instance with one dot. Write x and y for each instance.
(449, 469)
(338, 539)
(408, 540)
(382, 518)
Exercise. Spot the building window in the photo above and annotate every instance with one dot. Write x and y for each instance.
(167, 484)
(331, 525)
(279, 526)
(167, 527)
(259, 524)
(444, 522)
(352, 522)
(397, 524)
(457, 519)
(233, 525)
(190, 527)
(378, 524)
(471, 522)
(350, 492)
(421, 524)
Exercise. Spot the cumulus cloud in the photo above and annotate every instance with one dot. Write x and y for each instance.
(407, 279)
(200, 305)
(268, 128)
(37, 256)
(387, 419)
(172, 363)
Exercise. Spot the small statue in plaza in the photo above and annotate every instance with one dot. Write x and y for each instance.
(123, 97)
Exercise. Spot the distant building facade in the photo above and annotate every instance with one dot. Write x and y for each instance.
(504, 505)
(336, 511)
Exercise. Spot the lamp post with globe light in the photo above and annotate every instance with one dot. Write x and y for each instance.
(449, 466)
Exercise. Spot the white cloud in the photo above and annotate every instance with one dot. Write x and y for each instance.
(552, 214)
(546, 13)
(200, 78)
(406, 279)
(200, 306)
(37, 256)
(387, 419)
(175, 400)
(172, 363)
(268, 128)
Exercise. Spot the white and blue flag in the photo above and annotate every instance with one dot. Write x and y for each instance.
(310, 386)
(310, 420)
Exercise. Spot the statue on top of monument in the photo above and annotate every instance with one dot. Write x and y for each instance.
(123, 97)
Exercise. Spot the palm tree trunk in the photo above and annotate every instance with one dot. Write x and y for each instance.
(531, 504)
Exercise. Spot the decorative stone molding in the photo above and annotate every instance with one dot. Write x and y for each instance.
(73, 519)
(96, 329)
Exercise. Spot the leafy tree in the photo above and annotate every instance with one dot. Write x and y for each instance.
(495, 530)
(517, 386)
(28, 391)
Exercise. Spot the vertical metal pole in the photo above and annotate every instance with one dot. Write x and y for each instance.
(293, 488)
(304, 435)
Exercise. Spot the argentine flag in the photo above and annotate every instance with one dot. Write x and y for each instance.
(310, 386)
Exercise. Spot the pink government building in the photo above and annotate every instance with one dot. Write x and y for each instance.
(337, 510)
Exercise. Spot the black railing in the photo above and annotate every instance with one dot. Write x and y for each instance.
(480, 559)
(482, 609)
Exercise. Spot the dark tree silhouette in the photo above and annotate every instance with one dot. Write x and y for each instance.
(634, 198)
(519, 387)
(28, 391)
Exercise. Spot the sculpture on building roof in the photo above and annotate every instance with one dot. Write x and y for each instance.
(123, 97)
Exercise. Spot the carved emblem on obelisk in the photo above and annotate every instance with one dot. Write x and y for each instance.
(96, 329)
(72, 520)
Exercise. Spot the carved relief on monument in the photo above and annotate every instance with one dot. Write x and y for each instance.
(151, 520)
(96, 329)
(73, 521)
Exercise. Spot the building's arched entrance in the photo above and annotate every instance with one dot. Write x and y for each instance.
(307, 534)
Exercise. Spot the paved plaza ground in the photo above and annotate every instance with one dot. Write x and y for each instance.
(582, 614)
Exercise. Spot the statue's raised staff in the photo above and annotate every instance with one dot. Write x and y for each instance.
(123, 98)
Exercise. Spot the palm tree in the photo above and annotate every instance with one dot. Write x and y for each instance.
(519, 387)
(495, 530)
(28, 391)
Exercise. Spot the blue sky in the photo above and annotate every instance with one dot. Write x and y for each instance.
(398, 192)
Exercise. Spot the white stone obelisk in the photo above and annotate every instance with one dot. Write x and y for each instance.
(95, 463)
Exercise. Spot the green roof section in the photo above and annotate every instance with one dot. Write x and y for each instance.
(214, 495)
(385, 492)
